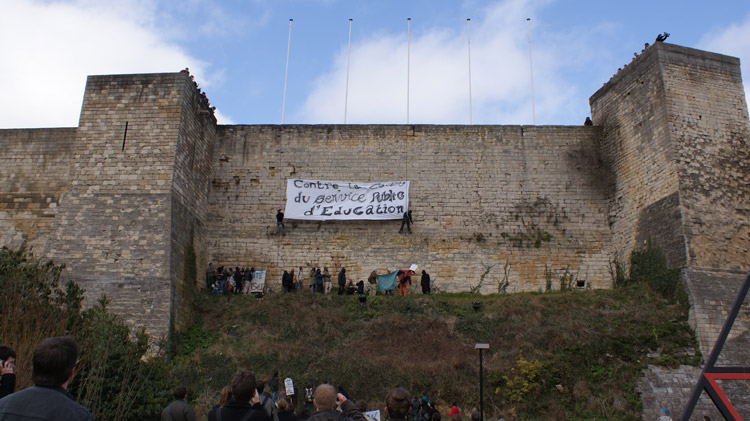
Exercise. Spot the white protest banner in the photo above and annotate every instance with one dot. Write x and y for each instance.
(372, 415)
(258, 282)
(289, 386)
(326, 200)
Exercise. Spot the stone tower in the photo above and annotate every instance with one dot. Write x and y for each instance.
(675, 133)
(137, 198)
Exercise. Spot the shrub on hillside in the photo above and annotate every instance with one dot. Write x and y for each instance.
(112, 379)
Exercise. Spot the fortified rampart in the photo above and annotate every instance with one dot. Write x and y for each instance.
(148, 178)
(496, 208)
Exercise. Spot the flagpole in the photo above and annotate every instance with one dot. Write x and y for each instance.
(286, 72)
(468, 33)
(348, 55)
(531, 73)
(408, 64)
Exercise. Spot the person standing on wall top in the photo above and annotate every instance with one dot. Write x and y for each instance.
(280, 222)
(342, 280)
(406, 219)
(53, 368)
(179, 410)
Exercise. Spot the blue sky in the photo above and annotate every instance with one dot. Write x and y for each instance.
(237, 51)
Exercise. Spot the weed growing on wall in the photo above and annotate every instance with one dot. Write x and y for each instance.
(649, 266)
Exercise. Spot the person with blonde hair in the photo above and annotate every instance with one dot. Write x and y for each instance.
(326, 400)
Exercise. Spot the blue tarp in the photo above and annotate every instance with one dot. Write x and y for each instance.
(387, 282)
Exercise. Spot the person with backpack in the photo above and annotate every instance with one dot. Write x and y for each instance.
(266, 401)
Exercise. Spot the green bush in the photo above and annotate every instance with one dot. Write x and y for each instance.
(649, 266)
(113, 379)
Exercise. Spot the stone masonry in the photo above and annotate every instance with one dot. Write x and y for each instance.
(495, 207)
(147, 178)
(676, 136)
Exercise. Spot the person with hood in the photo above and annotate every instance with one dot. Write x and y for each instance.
(425, 281)
(342, 280)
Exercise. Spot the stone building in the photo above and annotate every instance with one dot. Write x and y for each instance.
(148, 177)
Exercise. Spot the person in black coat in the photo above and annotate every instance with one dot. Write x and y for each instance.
(342, 280)
(425, 281)
(7, 371)
(285, 411)
(244, 403)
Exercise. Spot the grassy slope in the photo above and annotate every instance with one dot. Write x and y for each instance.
(591, 343)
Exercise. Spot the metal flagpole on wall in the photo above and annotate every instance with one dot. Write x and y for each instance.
(408, 64)
(348, 52)
(468, 33)
(286, 72)
(531, 73)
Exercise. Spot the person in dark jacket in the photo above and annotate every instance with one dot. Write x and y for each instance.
(280, 222)
(7, 371)
(406, 219)
(342, 280)
(285, 411)
(244, 403)
(397, 404)
(266, 401)
(286, 282)
(53, 368)
(318, 281)
(179, 410)
(273, 384)
(425, 281)
(326, 400)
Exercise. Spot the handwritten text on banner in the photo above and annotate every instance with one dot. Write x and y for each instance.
(324, 200)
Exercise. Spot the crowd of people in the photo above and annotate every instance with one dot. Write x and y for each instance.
(227, 280)
(247, 399)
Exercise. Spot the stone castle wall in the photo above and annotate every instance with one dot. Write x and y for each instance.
(35, 174)
(189, 200)
(494, 206)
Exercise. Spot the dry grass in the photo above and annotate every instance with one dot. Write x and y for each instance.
(592, 343)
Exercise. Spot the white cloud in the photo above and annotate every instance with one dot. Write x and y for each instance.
(439, 83)
(733, 40)
(57, 44)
